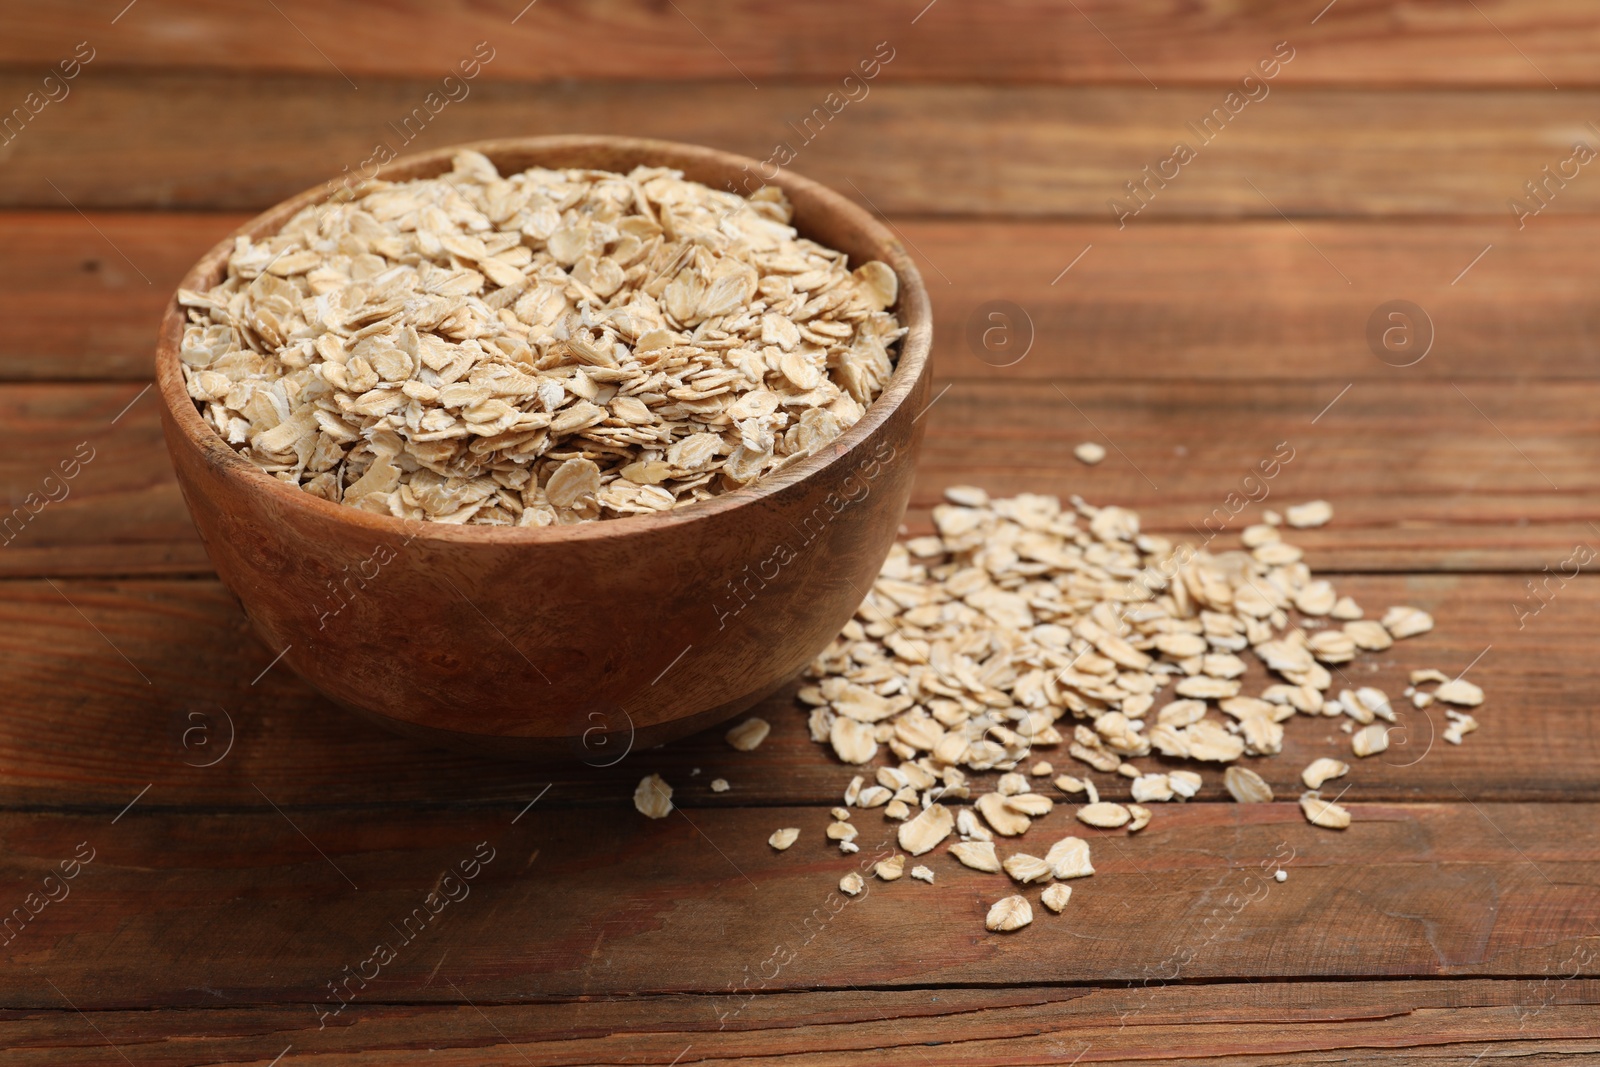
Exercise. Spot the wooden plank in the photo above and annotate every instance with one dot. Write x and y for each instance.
(1234, 1023)
(1383, 42)
(1031, 152)
(82, 297)
(112, 687)
(1393, 456)
(1159, 300)
(192, 908)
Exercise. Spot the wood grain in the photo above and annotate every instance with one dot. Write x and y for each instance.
(1418, 469)
(1357, 42)
(186, 908)
(1237, 1024)
(909, 149)
(116, 686)
(1160, 300)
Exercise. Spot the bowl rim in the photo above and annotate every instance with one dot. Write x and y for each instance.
(915, 347)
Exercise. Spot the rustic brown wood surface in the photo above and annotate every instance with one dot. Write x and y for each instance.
(1090, 42)
(252, 844)
(908, 149)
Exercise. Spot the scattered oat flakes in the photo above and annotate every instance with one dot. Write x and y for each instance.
(1029, 624)
(1090, 452)
(782, 839)
(749, 734)
(653, 797)
(1322, 770)
(852, 883)
(1055, 896)
(720, 785)
(1009, 913)
(1323, 813)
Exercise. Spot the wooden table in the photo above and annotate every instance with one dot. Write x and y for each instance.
(238, 847)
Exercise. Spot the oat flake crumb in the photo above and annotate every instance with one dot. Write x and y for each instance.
(653, 797)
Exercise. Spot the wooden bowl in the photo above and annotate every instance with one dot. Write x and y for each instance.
(590, 638)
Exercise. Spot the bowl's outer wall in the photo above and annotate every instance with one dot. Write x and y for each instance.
(661, 627)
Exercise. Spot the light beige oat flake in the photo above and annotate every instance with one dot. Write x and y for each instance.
(1090, 452)
(653, 797)
(979, 855)
(1246, 786)
(1009, 913)
(922, 873)
(1368, 635)
(890, 869)
(1001, 816)
(1402, 622)
(1370, 740)
(1025, 868)
(852, 884)
(749, 734)
(720, 785)
(1105, 815)
(1305, 516)
(1055, 897)
(1460, 692)
(931, 826)
(1322, 770)
(1069, 858)
(782, 839)
(1141, 817)
(1323, 813)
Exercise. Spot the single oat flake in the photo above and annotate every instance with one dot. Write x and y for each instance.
(653, 797)
(546, 347)
(1009, 913)
(1055, 896)
(782, 839)
(749, 734)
